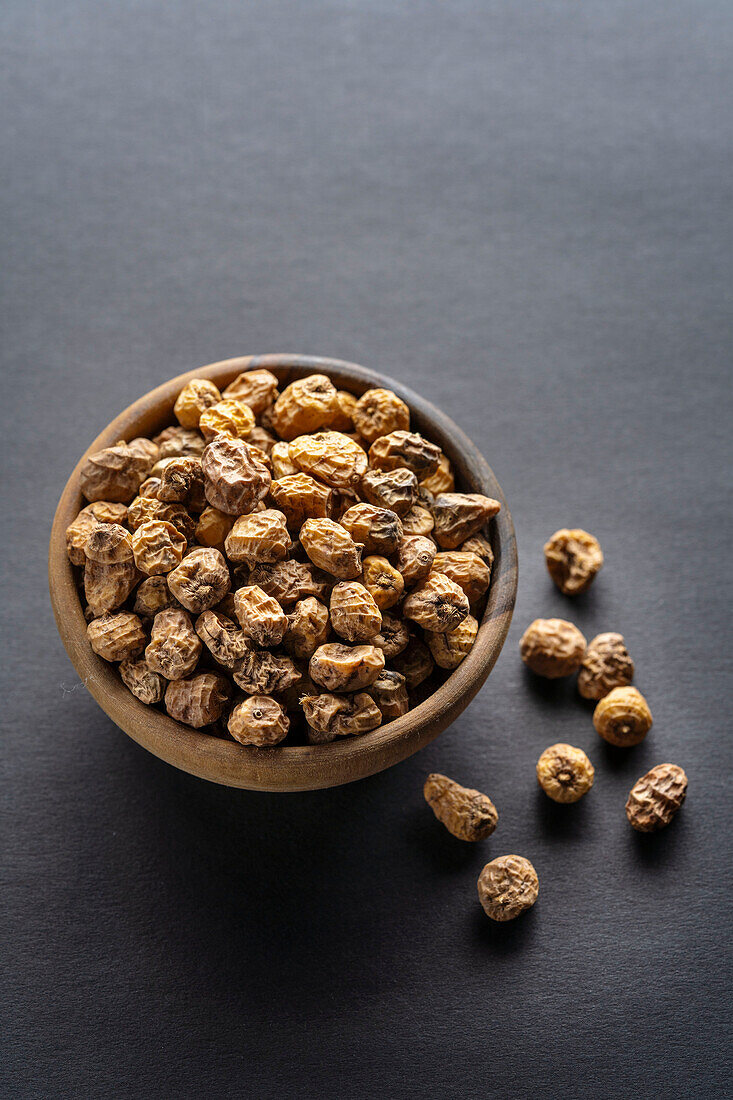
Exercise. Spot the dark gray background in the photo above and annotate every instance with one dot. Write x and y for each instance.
(522, 211)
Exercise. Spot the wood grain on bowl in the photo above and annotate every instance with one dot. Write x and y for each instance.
(296, 767)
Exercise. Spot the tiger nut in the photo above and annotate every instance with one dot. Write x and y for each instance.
(467, 814)
(552, 647)
(338, 667)
(196, 396)
(258, 720)
(116, 637)
(330, 716)
(458, 516)
(439, 604)
(306, 405)
(393, 489)
(198, 701)
(201, 580)
(573, 558)
(235, 479)
(256, 388)
(355, 615)
(656, 797)
(623, 717)
(606, 665)
(379, 412)
(174, 648)
(507, 887)
(564, 773)
(331, 547)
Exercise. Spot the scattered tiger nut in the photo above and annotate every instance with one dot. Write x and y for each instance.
(393, 489)
(145, 685)
(224, 639)
(379, 530)
(330, 716)
(230, 417)
(389, 692)
(174, 647)
(147, 452)
(199, 700)
(573, 558)
(606, 665)
(458, 516)
(479, 544)
(467, 814)
(451, 646)
(469, 572)
(201, 580)
(564, 773)
(306, 405)
(258, 720)
(656, 797)
(144, 509)
(196, 397)
(354, 612)
(113, 474)
(259, 537)
(414, 558)
(623, 717)
(308, 628)
(379, 412)
(507, 887)
(439, 604)
(158, 547)
(552, 648)
(260, 616)
(300, 497)
(331, 457)
(331, 547)
(384, 583)
(235, 479)
(116, 637)
(338, 667)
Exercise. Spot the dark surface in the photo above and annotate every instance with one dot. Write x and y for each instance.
(523, 212)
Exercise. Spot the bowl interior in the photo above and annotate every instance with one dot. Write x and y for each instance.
(293, 767)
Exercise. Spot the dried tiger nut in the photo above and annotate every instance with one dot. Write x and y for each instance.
(109, 544)
(258, 720)
(182, 482)
(623, 717)
(147, 451)
(344, 422)
(116, 637)
(152, 596)
(415, 663)
(606, 665)
(289, 581)
(449, 648)
(379, 412)
(467, 570)
(144, 509)
(256, 388)
(213, 527)
(418, 521)
(338, 667)
(80, 529)
(196, 397)
(201, 580)
(564, 773)
(235, 479)
(332, 457)
(150, 486)
(223, 638)
(354, 613)
(198, 701)
(552, 648)
(232, 418)
(106, 587)
(331, 547)
(260, 616)
(300, 498)
(405, 449)
(467, 814)
(507, 887)
(442, 481)
(393, 637)
(656, 797)
(389, 692)
(331, 716)
(393, 489)
(439, 604)
(145, 685)
(158, 547)
(306, 405)
(259, 537)
(379, 530)
(177, 442)
(280, 459)
(383, 581)
(479, 544)
(113, 474)
(263, 673)
(174, 647)
(460, 515)
(414, 558)
(308, 628)
(573, 558)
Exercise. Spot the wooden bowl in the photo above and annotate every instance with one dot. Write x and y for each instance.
(287, 768)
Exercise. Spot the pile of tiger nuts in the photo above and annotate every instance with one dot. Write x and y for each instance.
(280, 564)
(555, 648)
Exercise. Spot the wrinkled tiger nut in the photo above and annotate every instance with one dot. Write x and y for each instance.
(393, 489)
(331, 457)
(106, 587)
(201, 580)
(109, 544)
(405, 449)
(230, 417)
(147, 451)
(182, 482)
(384, 583)
(415, 663)
(117, 637)
(330, 716)
(480, 545)
(177, 441)
(573, 558)
(418, 521)
(354, 612)
(331, 547)
(306, 405)
(344, 421)
(507, 887)
(300, 497)
(145, 685)
(379, 412)
(223, 638)
(441, 480)
(196, 397)
(468, 571)
(259, 537)
(552, 647)
(213, 527)
(198, 701)
(606, 665)
(289, 581)
(656, 797)
(144, 509)
(623, 717)
(153, 595)
(263, 673)
(235, 479)
(338, 667)
(467, 814)
(389, 692)
(450, 647)
(113, 474)
(174, 647)
(258, 720)
(260, 616)
(280, 460)
(256, 388)
(158, 547)
(439, 604)
(379, 530)
(564, 773)
(458, 516)
(79, 529)
(393, 637)
(308, 627)
(414, 558)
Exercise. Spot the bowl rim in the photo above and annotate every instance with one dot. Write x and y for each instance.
(292, 767)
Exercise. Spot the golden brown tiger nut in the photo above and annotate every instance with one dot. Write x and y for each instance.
(507, 887)
(405, 449)
(182, 482)
(330, 716)
(230, 417)
(213, 527)
(280, 460)
(147, 451)
(458, 516)
(379, 530)
(468, 571)
(201, 580)
(258, 720)
(415, 663)
(150, 486)
(144, 509)
(564, 773)
(331, 547)
(289, 581)
(177, 441)
(196, 397)
(606, 665)
(439, 604)
(300, 497)
(223, 638)
(389, 692)
(263, 673)
(145, 685)
(117, 637)
(623, 717)
(106, 587)
(305, 406)
(235, 479)
(384, 583)
(418, 521)
(466, 814)
(198, 701)
(338, 667)
(113, 474)
(256, 388)
(109, 544)
(393, 489)
(354, 612)
(479, 544)
(379, 412)
(344, 422)
(308, 628)
(450, 647)
(393, 637)
(259, 537)
(260, 616)
(153, 595)
(158, 547)
(573, 558)
(174, 648)
(414, 558)
(442, 480)
(656, 797)
(552, 648)
(331, 457)
(80, 529)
